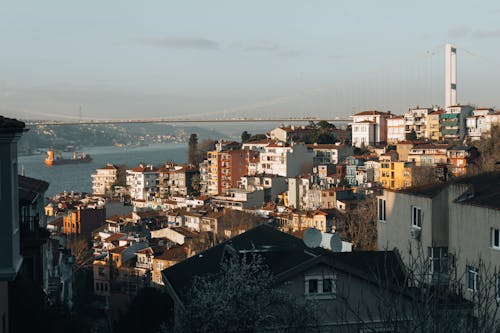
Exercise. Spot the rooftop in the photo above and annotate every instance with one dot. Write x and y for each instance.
(8, 124)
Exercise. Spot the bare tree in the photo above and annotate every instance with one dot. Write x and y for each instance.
(360, 226)
(81, 251)
(432, 298)
(489, 149)
(242, 298)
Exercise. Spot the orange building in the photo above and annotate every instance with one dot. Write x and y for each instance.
(168, 258)
(83, 220)
(225, 169)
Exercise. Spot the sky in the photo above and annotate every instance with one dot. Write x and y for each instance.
(221, 59)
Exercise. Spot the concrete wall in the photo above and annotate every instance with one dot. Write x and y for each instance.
(352, 293)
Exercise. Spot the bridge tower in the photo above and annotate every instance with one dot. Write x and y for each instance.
(450, 81)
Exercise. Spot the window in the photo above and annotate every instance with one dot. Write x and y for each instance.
(327, 285)
(495, 238)
(313, 286)
(472, 278)
(320, 286)
(381, 209)
(416, 217)
(438, 259)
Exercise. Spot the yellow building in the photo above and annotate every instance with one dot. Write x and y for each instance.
(433, 131)
(394, 175)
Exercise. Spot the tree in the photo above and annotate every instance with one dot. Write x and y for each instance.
(489, 150)
(80, 249)
(204, 147)
(245, 136)
(412, 135)
(432, 298)
(150, 303)
(257, 137)
(193, 152)
(323, 124)
(242, 298)
(360, 225)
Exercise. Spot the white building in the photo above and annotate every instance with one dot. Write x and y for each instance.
(285, 160)
(480, 122)
(104, 179)
(272, 185)
(329, 153)
(142, 181)
(298, 188)
(369, 128)
(416, 120)
(396, 129)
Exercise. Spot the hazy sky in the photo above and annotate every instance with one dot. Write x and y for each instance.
(121, 59)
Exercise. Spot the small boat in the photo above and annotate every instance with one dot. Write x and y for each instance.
(57, 159)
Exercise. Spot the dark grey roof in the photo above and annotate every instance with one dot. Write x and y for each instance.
(29, 188)
(284, 255)
(10, 123)
(485, 190)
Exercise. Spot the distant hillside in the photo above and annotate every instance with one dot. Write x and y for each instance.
(59, 137)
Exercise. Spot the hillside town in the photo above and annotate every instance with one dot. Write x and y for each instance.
(398, 203)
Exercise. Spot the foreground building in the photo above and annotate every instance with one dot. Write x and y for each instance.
(306, 274)
(454, 228)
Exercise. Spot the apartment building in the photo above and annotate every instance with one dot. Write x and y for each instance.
(454, 122)
(452, 226)
(142, 182)
(369, 128)
(395, 129)
(433, 128)
(428, 154)
(416, 121)
(329, 153)
(395, 175)
(104, 179)
(481, 122)
(83, 220)
(175, 180)
(285, 160)
(225, 169)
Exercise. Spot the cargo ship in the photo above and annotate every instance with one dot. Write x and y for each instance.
(57, 159)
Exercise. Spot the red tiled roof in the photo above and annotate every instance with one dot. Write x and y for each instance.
(115, 237)
(371, 113)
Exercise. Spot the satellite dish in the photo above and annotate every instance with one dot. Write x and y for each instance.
(312, 237)
(335, 243)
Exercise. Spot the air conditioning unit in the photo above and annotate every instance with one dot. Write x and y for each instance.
(415, 233)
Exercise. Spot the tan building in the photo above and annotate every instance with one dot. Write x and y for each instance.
(433, 129)
(168, 258)
(428, 154)
(83, 220)
(453, 228)
(104, 179)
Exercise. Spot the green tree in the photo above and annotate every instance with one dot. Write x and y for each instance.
(412, 135)
(193, 149)
(245, 136)
(242, 298)
(257, 137)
